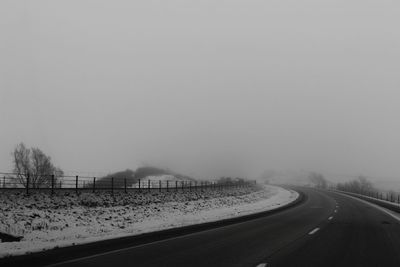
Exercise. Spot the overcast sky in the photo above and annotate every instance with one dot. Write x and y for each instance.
(207, 87)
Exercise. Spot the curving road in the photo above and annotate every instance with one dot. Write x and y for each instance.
(327, 229)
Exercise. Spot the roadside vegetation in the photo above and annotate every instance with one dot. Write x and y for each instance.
(318, 180)
(359, 185)
(32, 166)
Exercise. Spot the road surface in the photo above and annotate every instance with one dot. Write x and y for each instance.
(328, 229)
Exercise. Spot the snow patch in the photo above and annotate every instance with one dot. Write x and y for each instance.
(47, 222)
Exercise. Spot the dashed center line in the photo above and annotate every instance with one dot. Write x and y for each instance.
(335, 211)
(313, 231)
(262, 265)
(330, 218)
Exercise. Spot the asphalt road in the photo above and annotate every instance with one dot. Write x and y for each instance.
(328, 229)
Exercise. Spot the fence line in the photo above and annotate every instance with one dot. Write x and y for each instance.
(78, 183)
(389, 196)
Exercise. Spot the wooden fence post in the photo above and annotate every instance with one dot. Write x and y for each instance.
(94, 184)
(52, 184)
(76, 184)
(125, 184)
(27, 183)
(148, 185)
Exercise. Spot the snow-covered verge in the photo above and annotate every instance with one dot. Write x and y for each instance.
(66, 219)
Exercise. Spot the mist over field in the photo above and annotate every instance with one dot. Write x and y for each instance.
(205, 88)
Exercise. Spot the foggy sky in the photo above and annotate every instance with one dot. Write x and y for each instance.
(206, 87)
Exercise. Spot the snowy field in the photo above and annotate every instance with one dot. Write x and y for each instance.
(67, 219)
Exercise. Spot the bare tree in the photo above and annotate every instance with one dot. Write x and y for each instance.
(318, 180)
(365, 184)
(361, 185)
(35, 163)
(21, 161)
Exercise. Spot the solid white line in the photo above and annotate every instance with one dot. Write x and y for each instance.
(126, 248)
(330, 218)
(388, 212)
(313, 231)
(262, 265)
(131, 247)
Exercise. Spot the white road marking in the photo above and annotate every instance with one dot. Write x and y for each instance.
(313, 231)
(262, 265)
(335, 211)
(126, 248)
(330, 218)
(388, 212)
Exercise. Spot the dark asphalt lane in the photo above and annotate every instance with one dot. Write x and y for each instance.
(357, 235)
(327, 229)
(243, 244)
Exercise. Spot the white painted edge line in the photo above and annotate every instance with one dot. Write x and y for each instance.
(125, 249)
(262, 265)
(330, 218)
(373, 205)
(313, 231)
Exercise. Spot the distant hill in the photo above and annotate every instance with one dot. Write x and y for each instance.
(142, 174)
(119, 177)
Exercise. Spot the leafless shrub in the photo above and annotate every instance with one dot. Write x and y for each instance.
(35, 163)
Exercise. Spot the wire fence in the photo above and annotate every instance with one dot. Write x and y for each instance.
(389, 196)
(52, 183)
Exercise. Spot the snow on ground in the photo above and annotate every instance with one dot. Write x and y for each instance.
(66, 219)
